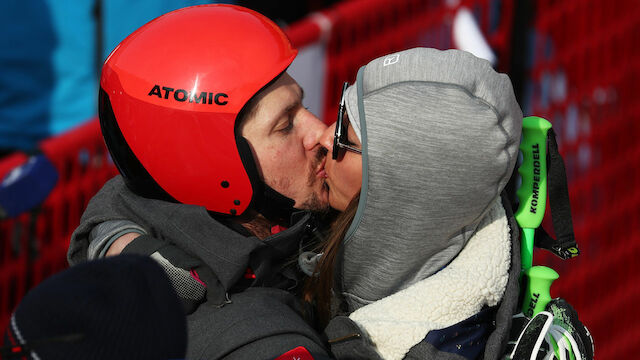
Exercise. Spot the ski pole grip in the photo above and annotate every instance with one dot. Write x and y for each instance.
(538, 291)
(532, 194)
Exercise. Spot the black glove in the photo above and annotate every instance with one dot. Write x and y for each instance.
(558, 324)
(566, 317)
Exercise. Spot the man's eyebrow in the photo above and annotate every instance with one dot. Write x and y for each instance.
(290, 107)
(296, 103)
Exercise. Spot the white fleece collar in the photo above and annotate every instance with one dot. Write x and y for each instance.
(475, 278)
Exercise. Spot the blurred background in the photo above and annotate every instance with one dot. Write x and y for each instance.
(573, 62)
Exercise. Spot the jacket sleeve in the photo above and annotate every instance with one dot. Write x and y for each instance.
(100, 209)
(258, 323)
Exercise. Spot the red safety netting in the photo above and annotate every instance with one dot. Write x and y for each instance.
(585, 68)
(366, 29)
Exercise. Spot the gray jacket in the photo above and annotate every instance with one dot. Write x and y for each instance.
(240, 318)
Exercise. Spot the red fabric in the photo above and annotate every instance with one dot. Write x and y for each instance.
(249, 274)
(195, 275)
(277, 228)
(15, 347)
(299, 353)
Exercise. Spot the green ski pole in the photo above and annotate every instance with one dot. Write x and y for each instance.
(532, 195)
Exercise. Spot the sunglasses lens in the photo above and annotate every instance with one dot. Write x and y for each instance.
(344, 139)
(340, 136)
(336, 139)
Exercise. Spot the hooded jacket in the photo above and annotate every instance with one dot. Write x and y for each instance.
(261, 317)
(431, 244)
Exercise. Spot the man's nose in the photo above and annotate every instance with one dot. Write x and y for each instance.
(315, 129)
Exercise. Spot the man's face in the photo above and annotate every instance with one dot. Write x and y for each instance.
(284, 137)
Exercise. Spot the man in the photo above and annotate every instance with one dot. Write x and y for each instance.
(216, 153)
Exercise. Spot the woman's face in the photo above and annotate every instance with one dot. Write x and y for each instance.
(343, 175)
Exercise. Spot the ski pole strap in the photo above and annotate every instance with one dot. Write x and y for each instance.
(564, 246)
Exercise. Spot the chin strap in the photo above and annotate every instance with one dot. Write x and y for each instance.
(275, 206)
(265, 200)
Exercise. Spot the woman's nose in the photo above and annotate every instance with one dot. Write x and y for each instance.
(314, 129)
(326, 140)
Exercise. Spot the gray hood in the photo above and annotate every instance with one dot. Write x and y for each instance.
(440, 133)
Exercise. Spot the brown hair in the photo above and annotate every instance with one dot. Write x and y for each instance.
(318, 288)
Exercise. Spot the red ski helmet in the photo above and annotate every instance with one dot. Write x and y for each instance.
(170, 95)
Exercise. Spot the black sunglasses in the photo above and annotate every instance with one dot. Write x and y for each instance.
(340, 142)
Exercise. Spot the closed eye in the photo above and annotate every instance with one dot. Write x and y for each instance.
(287, 129)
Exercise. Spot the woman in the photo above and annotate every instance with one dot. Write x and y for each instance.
(424, 259)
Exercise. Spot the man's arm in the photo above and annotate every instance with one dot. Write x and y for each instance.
(111, 237)
(120, 243)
